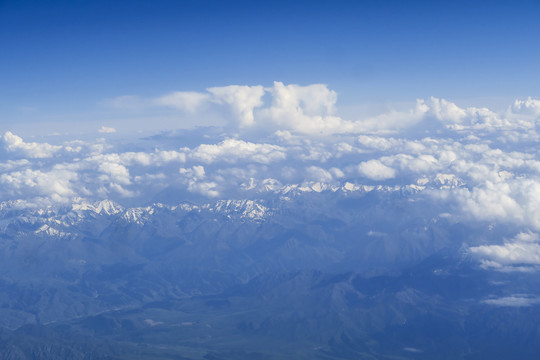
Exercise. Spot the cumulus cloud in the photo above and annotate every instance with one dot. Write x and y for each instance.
(434, 115)
(55, 186)
(14, 143)
(521, 253)
(445, 110)
(458, 118)
(310, 100)
(375, 170)
(312, 109)
(114, 172)
(195, 173)
(194, 178)
(529, 106)
(511, 201)
(14, 164)
(420, 164)
(130, 158)
(392, 121)
(377, 142)
(319, 174)
(305, 109)
(206, 188)
(241, 99)
(233, 150)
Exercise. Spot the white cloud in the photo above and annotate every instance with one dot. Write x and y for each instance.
(121, 190)
(114, 172)
(337, 173)
(508, 254)
(522, 253)
(513, 301)
(343, 148)
(526, 107)
(14, 164)
(421, 164)
(197, 172)
(304, 109)
(205, 188)
(156, 158)
(188, 101)
(392, 121)
(512, 201)
(377, 142)
(233, 150)
(241, 99)
(14, 143)
(311, 109)
(150, 178)
(375, 170)
(310, 100)
(458, 118)
(527, 237)
(106, 130)
(194, 178)
(319, 174)
(165, 156)
(446, 111)
(55, 186)
(315, 152)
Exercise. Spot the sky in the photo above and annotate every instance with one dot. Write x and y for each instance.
(64, 63)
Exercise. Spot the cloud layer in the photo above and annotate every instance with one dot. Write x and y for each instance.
(477, 163)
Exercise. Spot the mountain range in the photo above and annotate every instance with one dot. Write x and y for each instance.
(292, 273)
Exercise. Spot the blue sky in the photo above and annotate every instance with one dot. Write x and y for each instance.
(62, 59)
